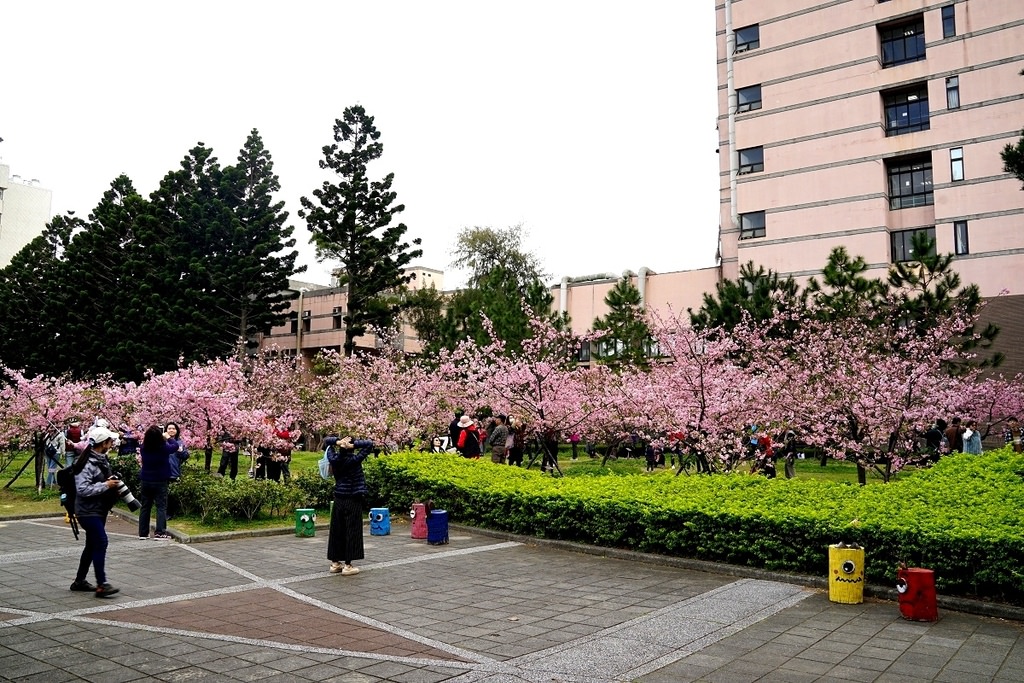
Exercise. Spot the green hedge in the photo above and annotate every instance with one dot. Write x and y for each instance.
(960, 518)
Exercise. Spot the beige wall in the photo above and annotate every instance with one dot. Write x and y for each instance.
(663, 293)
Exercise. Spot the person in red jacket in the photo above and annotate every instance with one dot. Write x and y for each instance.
(469, 438)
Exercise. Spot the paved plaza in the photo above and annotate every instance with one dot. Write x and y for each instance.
(482, 608)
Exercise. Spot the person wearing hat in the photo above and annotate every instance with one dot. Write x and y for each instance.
(96, 493)
(345, 540)
(469, 438)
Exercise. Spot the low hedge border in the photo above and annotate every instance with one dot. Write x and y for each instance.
(959, 518)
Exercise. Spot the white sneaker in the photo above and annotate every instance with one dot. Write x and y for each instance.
(349, 570)
(337, 567)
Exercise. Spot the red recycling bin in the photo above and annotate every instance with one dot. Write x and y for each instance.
(418, 517)
(916, 589)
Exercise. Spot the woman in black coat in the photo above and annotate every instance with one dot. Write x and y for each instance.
(345, 542)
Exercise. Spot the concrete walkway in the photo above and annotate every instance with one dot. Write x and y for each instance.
(479, 609)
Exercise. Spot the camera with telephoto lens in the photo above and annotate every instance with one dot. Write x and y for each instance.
(125, 494)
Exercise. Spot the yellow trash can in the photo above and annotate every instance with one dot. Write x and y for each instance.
(846, 574)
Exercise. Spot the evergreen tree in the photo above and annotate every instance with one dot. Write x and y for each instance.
(1013, 159)
(109, 305)
(757, 293)
(928, 291)
(351, 220)
(1013, 156)
(181, 237)
(627, 337)
(32, 321)
(252, 273)
(844, 291)
(424, 311)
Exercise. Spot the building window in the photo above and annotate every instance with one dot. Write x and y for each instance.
(910, 181)
(751, 225)
(902, 42)
(751, 159)
(307, 321)
(953, 92)
(903, 244)
(906, 111)
(294, 319)
(336, 322)
(961, 244)
(749, 98)
(584, 354)
(748, 38)
(956, 163)
(948, 21)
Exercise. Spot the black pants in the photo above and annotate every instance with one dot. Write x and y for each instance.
(95, 551)
(228, 460)
(346, 538)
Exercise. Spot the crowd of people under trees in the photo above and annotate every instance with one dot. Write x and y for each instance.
(269, 459)
(506, 439)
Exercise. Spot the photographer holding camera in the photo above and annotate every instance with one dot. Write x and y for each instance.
(96, 489)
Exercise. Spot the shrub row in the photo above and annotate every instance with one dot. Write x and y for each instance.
(960, 518)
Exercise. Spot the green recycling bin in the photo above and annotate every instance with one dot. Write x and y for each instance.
(305, 522)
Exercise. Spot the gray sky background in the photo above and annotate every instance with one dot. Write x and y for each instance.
(591, 123)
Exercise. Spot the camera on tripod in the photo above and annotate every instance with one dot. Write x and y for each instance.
(125, 493)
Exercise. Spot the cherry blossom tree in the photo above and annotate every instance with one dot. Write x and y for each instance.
(33, 407)
(860, 391)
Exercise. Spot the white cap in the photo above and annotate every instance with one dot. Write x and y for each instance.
(98, 435)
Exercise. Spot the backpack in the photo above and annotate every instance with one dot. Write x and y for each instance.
(325, 467)
(66, 486)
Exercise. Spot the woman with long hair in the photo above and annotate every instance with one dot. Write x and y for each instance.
(155, 478)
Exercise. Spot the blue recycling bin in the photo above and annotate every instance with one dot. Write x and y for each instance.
(437, 527)
(380, 522)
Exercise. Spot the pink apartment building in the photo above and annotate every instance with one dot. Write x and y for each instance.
(858, 123)
(852, 123)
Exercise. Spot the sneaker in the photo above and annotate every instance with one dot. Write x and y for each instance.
(349, 570)
(82, 586)
(143, 538)
(163, 536)
(105, 590)
(337, 567)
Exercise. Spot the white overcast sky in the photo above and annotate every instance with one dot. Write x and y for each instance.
(591, 123)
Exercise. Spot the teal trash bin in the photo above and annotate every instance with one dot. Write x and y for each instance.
(305, 522)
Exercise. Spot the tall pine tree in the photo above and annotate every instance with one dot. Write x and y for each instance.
(33, 323)
(254, 290)
(351, 220)
(627, 338)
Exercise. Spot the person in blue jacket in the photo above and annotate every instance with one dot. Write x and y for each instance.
(154, 480)
(174, 439)
(345, 542)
